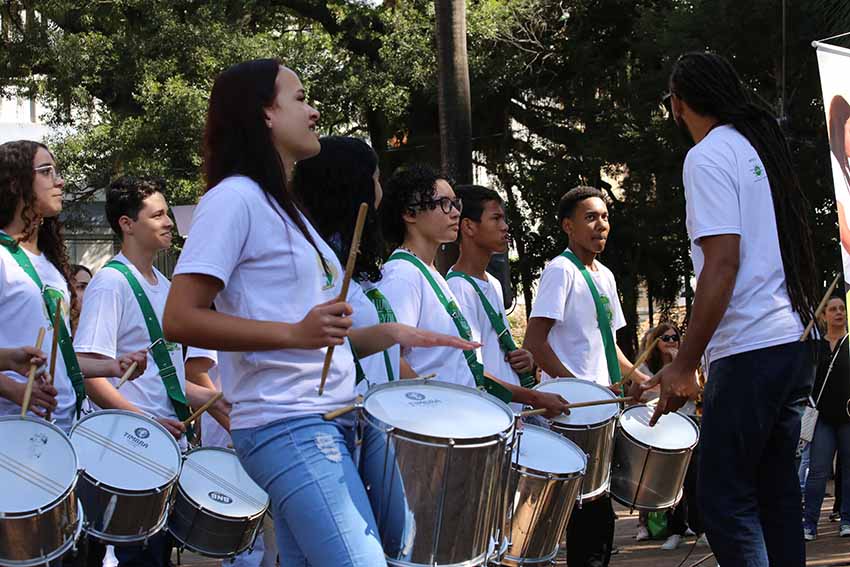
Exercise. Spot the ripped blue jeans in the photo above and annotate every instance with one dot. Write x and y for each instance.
(321, 512)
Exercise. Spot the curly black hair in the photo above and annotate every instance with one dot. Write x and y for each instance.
(567, 204)
(409, 185)
(331, 186)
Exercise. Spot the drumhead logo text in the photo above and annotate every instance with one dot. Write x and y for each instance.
(142, 433)
(415, 396)
(219, 497)
(418, 400)
(138, 439)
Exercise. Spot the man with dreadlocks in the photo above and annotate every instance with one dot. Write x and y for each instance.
(752, 254)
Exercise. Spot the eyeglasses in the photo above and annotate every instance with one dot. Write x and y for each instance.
(51, 170)
(669, 338)
(445, 203)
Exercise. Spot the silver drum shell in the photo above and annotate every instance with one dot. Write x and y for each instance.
(597, 441)
(40, 536)
(436, 501)
(647, 478)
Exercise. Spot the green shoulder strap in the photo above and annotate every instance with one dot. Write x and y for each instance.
(506, 341)
(602, 319)
(52, 300)
(358, 369)
(385, 315)
(477, 369)
(167, 372)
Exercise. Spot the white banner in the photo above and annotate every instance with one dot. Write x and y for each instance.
(834, 64)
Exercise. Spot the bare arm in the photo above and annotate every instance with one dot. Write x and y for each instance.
(377, 338)
(405, 370)
(537, 343)
(534, 398)
(197, 371)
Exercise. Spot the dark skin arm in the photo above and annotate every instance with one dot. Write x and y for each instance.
(537, 343)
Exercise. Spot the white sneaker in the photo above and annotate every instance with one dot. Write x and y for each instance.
(689, 533)
(702, 540)
(642, 533)
(672, 542)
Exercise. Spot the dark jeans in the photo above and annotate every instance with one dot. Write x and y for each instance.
(157, 552)
(590, 534)
(748, 485)
(687, 513)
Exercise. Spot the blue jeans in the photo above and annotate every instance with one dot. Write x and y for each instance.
(803, 469)
(748, 484)
(827, 439)
(320, 508)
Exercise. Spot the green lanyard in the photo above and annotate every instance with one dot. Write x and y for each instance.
(385, 315)
(167, 372)
(506, 341)
(477, 369)
(603, 320)
(52, 299)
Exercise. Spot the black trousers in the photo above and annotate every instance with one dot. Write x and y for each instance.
(687, 514)
(590, 534)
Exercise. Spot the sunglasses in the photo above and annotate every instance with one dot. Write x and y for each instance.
(445, 204)
(669, 338)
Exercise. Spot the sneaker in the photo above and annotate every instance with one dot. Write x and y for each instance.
(702, 540)
(809, 534)
(672, 542)
(835, 516)
(844, 530)
(642, 533)
(689, 533)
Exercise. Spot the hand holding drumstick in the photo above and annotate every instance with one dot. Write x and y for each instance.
(20, 360)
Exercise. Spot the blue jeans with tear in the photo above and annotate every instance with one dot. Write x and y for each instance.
(321, 512)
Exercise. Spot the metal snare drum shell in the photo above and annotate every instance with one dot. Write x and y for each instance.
(591, 428)
(434, 463)
(650, 463)
(218, 509)
(545, 481)
(129, 465)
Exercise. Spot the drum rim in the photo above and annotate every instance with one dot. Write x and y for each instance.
(201, 507)
(644, 445)
(538, 473)
(69, 489)
(466, 442)
(117, 490)
(59, 551)
(574, 426)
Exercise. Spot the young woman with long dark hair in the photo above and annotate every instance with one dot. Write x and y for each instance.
(275, 284)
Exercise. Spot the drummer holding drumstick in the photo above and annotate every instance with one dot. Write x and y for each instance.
(571, 333)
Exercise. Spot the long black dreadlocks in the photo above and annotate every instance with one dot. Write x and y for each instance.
(710, 86)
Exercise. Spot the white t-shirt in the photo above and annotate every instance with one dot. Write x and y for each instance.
(415, 303)
(111, 324)
(490, 354)
(22, 312)
(727, 192)
(270, 272)
(212, 433)
(365, 315)
(563, 295)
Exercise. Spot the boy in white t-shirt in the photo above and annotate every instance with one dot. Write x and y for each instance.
(112, 321)
(567, 339)
(483, 232)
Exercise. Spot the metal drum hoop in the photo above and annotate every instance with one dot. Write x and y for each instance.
(652, 449)
(557, 425)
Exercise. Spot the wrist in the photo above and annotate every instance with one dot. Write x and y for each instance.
(288, 334)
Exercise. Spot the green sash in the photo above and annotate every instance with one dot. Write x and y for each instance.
(477, 369)
(602, 319)
(167, 372)
(52, 299)
(385, 315)
(506, 341)
(358, 369)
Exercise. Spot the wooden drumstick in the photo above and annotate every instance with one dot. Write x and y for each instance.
(541, 411)
(640, 360)
(203, 408)
(132, 368)
(31, 376)
(57, 319)
(820, 308)
(346, 281)
(332, 415)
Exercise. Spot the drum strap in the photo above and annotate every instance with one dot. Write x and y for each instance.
(159, 351)
(53, 301)
(506, 341)
(358, 368)
(483, 382)
(385, 315)
(603, 319)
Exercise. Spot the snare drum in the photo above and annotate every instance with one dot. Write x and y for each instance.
(128, 467)
(650, 463)
(591, 428)
(218, 509)
(40, 518)
(545, 480)
(435, 461)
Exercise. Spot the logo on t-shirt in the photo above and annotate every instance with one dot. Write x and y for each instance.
(606, 303)
(757, 169)
(328, 271)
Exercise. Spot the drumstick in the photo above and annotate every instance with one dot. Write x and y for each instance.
(332, 415)
(31, 376)
(346, 281)
(820, 308)
(640, 360)
(132, 368)
(57, 318)
(541, 411)
(203, 408)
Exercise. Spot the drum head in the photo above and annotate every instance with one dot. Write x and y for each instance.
(547, 452)
(37, 464)
(576, 390)
(125, 450)
(673, 432)
(215, 480)
(438, 409)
